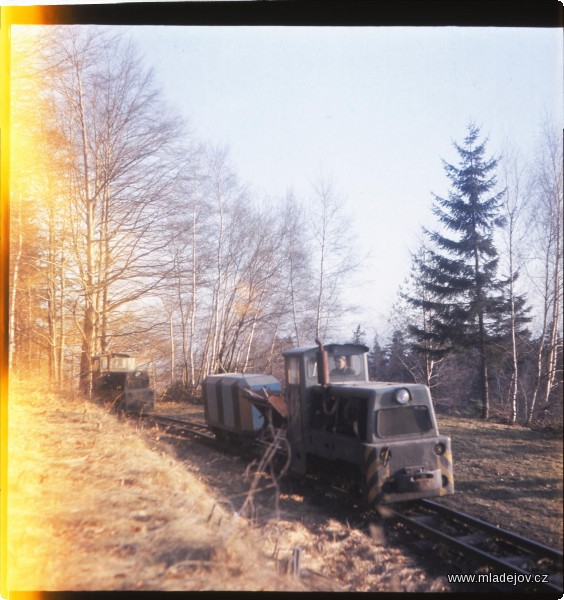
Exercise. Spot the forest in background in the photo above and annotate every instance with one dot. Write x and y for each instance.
(129, 234)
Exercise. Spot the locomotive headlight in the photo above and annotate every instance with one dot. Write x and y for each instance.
(439, 448)
(402, 396)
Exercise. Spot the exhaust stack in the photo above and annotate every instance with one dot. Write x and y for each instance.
(322, 365)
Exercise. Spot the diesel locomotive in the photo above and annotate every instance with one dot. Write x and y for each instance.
(116, 381)
(378, 439)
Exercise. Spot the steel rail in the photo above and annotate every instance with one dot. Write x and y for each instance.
(182, 427)
(531, 546)
(515, 554)
(432, 518)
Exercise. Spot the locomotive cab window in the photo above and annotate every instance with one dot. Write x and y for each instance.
(403, 420)
(312, 368)
(346, 367)
(293, 370)
(119, 363)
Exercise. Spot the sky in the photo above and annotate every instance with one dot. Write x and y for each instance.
(374, 109)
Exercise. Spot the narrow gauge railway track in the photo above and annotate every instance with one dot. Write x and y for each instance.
(181, 427)
(199, 431)
(492, 546)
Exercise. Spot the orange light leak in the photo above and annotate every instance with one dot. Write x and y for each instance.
(13, 158)
(29, 596)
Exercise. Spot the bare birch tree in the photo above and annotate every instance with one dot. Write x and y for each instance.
(297, 267)
(189, 250)
(334, 255)
(513, 206)
(122, 166)
(37, 208)
(547, 227)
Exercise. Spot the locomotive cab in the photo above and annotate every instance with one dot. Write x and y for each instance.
(379, 437)
(117, 381)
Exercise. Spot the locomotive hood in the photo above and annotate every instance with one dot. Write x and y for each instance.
(384, 394)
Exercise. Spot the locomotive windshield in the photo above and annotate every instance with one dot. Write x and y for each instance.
(342, 367)
(403, 420)
(122, 363)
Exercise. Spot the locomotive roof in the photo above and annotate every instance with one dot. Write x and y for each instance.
(375, 384)
(242, 377)
(329, 347)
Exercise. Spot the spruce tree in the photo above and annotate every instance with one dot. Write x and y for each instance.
(359, 336)
(398, 359)
(376, 361)
(464, 296)
(420, 317)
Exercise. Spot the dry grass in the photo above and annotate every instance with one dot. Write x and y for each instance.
(510, 476)
(92, 507)
(341, 548)
(98, 503)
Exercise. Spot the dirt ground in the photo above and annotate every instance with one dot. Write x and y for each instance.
(508, 475)
(98, 502)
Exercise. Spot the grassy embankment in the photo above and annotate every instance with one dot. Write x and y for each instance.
(92, 507)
